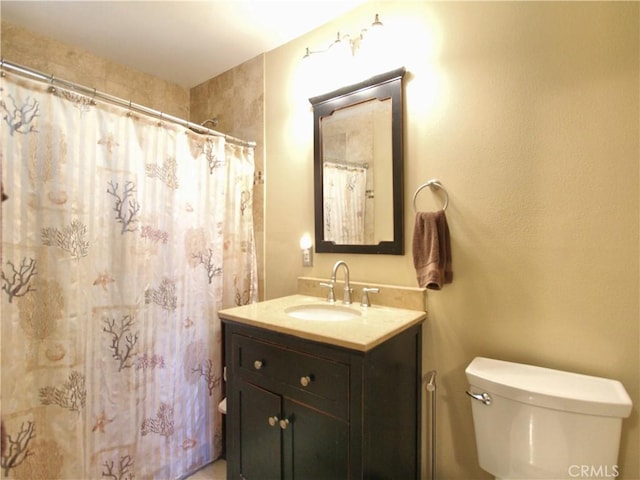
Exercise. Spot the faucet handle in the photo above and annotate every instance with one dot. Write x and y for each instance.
(331, 296)
(365, 295)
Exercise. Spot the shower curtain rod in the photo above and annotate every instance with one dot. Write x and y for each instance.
(94, 94)
(347, 164)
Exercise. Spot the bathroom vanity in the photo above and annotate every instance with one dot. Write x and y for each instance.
(309, 398)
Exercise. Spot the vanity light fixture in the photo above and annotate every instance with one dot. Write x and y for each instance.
(307, 251)
(354, 42)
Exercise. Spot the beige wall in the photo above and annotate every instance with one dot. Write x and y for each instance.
(74, 64)
(528, 114)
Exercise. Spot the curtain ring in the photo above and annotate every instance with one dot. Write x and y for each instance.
(52, 89)
(93, 99)
(160, 123)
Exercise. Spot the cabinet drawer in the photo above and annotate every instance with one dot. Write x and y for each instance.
(317, 381)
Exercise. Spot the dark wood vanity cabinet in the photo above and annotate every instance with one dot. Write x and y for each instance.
(299, 409)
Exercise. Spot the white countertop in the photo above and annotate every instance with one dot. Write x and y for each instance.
(375, 325)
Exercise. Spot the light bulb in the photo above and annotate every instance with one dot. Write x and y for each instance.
(305, 241)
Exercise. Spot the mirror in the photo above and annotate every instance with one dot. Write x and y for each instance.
(358, 167)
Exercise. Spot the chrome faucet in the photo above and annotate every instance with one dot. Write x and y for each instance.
(347, 287)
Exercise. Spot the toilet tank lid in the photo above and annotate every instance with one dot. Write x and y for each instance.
(550, 388)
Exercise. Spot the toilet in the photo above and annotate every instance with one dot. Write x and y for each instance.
(537, 423)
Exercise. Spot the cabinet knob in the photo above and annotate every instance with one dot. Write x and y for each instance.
(258, 364)
(284, 424)
(305, 381)
(273, 421)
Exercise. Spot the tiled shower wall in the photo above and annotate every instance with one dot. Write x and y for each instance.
(76, 65)
(235, 97)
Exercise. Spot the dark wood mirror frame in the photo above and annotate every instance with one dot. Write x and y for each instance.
(383, 86)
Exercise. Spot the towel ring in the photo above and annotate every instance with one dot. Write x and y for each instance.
(431, 183)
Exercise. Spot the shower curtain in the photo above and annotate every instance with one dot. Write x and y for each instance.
(345, 193)
(121, 238)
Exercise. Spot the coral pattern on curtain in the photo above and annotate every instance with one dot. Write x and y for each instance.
(122, 238)
(344, 194)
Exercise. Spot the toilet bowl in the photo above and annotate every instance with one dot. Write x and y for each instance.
(537, 423)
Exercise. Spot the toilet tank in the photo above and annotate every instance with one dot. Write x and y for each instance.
(541, 423)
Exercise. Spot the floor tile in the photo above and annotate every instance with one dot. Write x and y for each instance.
(214, 471)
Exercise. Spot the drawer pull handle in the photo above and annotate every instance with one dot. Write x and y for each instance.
(258, 364)
(273, 421)
(284, 424)
(305, 381)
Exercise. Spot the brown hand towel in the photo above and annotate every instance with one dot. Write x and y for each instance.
(432, 250)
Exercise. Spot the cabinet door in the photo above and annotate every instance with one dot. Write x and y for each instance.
(260, 439)
(315, 445)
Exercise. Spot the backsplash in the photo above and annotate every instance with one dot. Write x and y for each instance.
(411, 298)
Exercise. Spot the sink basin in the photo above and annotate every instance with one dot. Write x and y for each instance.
(322, 311)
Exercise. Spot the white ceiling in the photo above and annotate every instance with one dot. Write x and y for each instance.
(186, 42)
